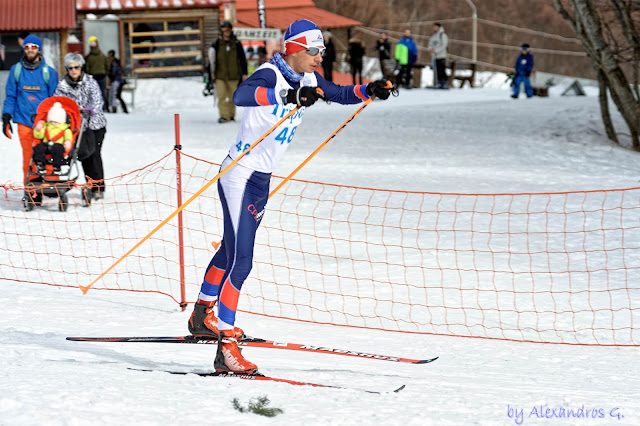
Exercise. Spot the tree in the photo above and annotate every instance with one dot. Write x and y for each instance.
(609, 33)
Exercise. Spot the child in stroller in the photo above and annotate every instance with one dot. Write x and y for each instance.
(54, 167)
(56, 138)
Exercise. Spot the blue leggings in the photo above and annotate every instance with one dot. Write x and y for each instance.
(527, 85)
(243, 193)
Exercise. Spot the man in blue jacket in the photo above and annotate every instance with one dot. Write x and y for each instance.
(30, 82)
(523, 68)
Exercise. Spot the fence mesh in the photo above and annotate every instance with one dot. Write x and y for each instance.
(552, 267)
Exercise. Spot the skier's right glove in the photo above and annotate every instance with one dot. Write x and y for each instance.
(6, 125)
(380, 88)
(304, 96)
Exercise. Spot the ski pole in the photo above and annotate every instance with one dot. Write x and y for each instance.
(319, 148)
(85, 289)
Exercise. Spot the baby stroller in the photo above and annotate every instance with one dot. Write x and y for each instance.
(48, 184)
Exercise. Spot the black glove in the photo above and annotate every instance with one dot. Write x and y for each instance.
(304, 96)
(528, 74)
(380, 88)
(6, 125)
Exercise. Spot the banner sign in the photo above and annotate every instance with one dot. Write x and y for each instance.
(257, 33)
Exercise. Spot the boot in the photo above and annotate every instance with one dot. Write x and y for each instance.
(229, 357)
(204, 322)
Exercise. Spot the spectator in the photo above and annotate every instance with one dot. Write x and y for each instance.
(97, 66)
(383, 47)
(115, 76)
(56, 137)
(438, 46)
(228, 69)
(523, 68)
(406, 55)
(29, 82)
(356, 52)
(329, 56)
(84, 90)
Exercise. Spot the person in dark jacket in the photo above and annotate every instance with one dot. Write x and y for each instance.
(115, 76)
(356, 52)
(383, 47)
(29, 82)
(523, 68)
(97, 66)
(329, 56)
(228, 67)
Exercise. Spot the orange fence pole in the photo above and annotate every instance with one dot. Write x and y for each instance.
(85, 289)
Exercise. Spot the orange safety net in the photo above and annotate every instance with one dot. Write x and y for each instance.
(538, 267)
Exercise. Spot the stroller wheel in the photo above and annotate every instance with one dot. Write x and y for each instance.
(86, 197)
(31, 199)
(64, 203)
(28, 204)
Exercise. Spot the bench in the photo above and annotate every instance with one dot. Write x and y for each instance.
(130, 87)
(468, 73)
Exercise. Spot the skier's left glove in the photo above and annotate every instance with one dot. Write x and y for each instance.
(380, 88)
(6, 125)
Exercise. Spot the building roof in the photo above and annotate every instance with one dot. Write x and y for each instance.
(37, 15)
(281, 13)
(116, 5)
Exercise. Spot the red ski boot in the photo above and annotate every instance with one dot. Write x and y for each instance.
(229, 357)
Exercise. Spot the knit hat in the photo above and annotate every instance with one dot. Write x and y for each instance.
(57, 114)
(93, 41)
(304, 32)
(31, 39)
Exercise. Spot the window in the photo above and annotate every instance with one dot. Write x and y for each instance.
(162, 48)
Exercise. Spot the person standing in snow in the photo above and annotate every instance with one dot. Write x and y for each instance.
(29, 82)
(97, 66)
(406, 54)
(383, 47)
(84, 90)
(523, 68)
(275, 89)
(438, 46)
(228, 68)
(356, 53)
(329, 56)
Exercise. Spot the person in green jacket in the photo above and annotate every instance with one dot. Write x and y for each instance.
(97, 65)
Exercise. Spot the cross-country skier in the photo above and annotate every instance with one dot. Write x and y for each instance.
(276, 88)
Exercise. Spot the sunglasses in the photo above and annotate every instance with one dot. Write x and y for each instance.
(31, 47)
(311, 50)
(74, 68)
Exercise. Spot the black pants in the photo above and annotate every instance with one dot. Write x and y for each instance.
(356, 68)
(119, 96)
(441, 72)
(56, 150)
(92, 165)
(327, 67)
(405, 76)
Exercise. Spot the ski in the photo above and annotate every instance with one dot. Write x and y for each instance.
(255, 343)
(259, 377)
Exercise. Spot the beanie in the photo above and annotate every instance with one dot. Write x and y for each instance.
(93, 41)
(304, 32)
(57, 114)
(31, 39)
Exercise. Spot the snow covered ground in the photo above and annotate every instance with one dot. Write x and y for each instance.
(462, 141)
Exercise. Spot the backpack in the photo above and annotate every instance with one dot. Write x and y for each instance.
(18, 70)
